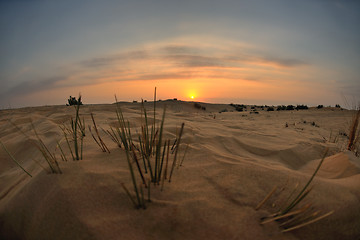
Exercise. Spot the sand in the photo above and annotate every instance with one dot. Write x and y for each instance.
(234, 160)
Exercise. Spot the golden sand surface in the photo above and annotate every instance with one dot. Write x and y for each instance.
(234, 159)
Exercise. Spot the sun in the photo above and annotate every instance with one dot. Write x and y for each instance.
(192, 95)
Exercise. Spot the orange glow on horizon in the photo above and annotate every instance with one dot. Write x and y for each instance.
(199, 89)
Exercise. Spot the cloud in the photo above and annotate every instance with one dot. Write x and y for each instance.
(109, 60)
(178, 49)
(168, 61)
(284, 62)
(35, 85)
(191, 61)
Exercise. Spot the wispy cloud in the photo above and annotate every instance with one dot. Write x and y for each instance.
(170, 61)
(115, 59)
(35, 85)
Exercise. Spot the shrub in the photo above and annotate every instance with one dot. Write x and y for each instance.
(279, 108)
(290, 107)
(198, 106)
(270, 109)
(299, 107)
(320, 106)
(239, 109)
(72, 101)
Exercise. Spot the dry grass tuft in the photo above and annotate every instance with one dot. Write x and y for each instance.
(98, 139)
(354, 132)
(74, 134)
(48, 156)
(292, 215)
(150, 154)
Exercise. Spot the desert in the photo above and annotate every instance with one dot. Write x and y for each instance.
(234, 171)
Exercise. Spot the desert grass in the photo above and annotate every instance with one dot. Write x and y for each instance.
(113, 134)
(125, 136)
(288, 216)
(333, 138)
(151, 153)
(354, 131)
(178, 139)
(98, 139)
(75, 134)
(49, 157)
(62, 153)
(13, 158)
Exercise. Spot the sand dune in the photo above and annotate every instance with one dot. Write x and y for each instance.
(233, 161)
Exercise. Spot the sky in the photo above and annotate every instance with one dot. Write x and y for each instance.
(232, 51)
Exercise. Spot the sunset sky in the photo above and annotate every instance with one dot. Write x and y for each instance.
(252, 52)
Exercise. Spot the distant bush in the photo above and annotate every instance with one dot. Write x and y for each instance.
(198, 106)
(239, 109)
(320, 106)
(73, 101)
(290, 107)
(299, 107)
(270, 109)
(337, 106)
(279, 108)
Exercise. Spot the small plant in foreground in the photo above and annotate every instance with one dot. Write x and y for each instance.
(76, 132)
(287, 216)
(49, 157)
(98, 140)
(40, 145)
(354, 131)
(114, 135)
(151, 155)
